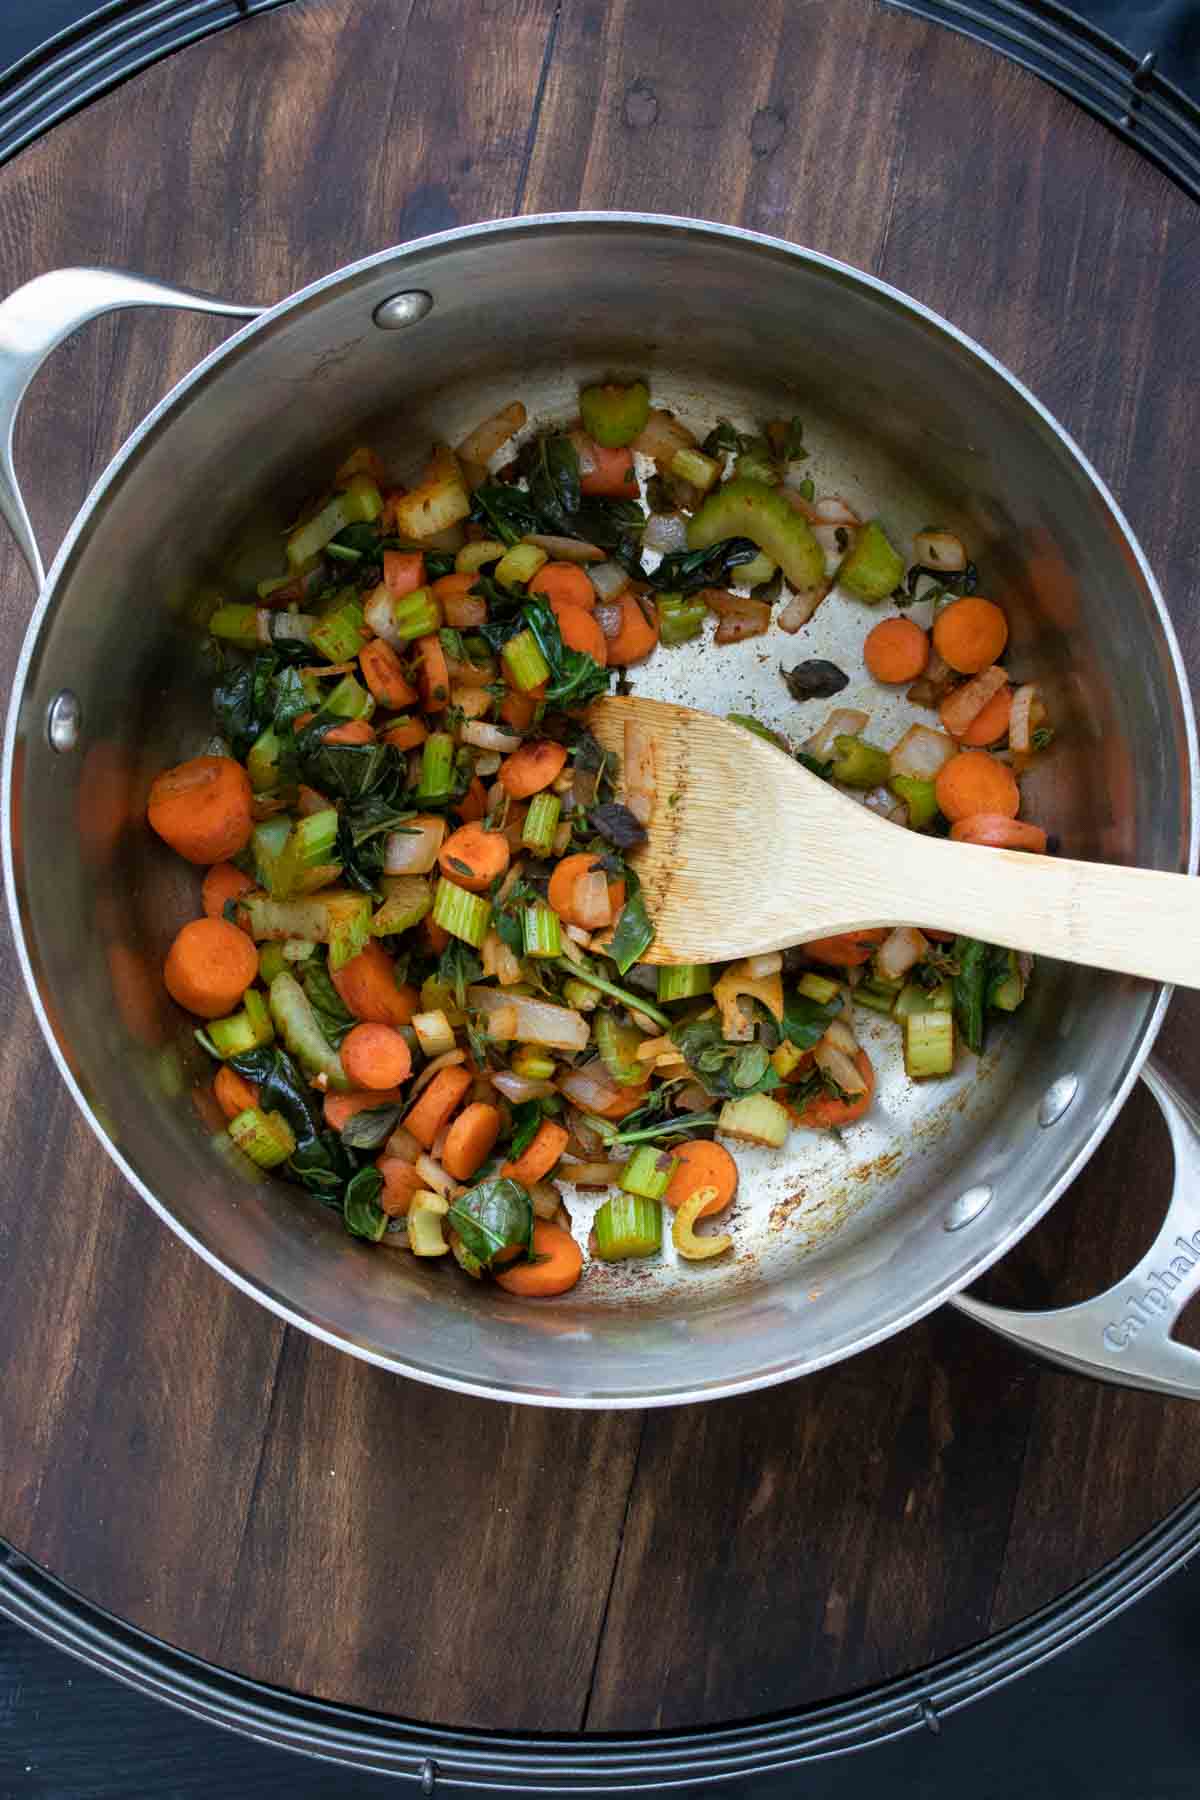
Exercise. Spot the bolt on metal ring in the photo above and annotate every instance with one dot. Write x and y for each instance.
(403, 309)
(64, 721)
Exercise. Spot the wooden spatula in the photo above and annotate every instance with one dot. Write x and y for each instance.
(749, 852)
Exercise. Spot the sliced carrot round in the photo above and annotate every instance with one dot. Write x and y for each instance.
(384, 674)
(998, 832)
(339, 1109)
(400, 1183)
(470, 1139)
(702, 1164)
(209, 967)
(846, 950)
(557, 1264)
(636, 637)
(823, 1111)
(579, 631)
(436, 1104)
(354, 731)
(367, 985)
(376, 1056)
(531, 768)
(988, 726)
(896, 650)
(612, 473)
(233, 1092)
(974, 782)
(203, 808)
(539, 1155)
(561, 894)
(565, 583)
(518, 709)
(223, 882)
(474, 857)
(473, 805)
(970, 634)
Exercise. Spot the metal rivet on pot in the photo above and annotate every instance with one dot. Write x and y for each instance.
(428, 1775)
(63, 721)
(403, 309)
(1056, 1099)
(968, 1206)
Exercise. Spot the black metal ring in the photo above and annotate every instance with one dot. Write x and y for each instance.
(525, 1763)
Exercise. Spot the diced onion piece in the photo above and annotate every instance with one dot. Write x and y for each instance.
(589, 900)
(931, 687)
(519, 1088)
(967, 702)
(562, 837)
(609, 579)
(801, 607)
(843, 721)
(921, 752)
(838, 1066)
(499, 962)
(489, 737)
(584, 450)
(578, 935)
(831, 509)
(610, 619)
(666, 533)
(378, 614)
(691, 1098)
(900, 951)
(471, 674)
(487, 764)
(434, 1034)
(1023, 719)
(546, 1199)
(841, 1037)
(413, 851)
(940, 550)
(471, 701)
(638, 772)
(651, 1047)
(448, 1060)
(464, 611)
(480, 445)
(535, 1021)
(879, 800)
(591, 1174)
(565, 549)
(771, 964)
(403, 1146)
(661, 436)
(591, 1087)
(740, 616)
(431, 1171)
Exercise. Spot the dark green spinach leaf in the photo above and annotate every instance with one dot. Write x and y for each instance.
(634, 933)
(686, 571)
(494, 1216)
(805, 1021)
(361, 1211)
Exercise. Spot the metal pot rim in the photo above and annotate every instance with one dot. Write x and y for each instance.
(495, 230)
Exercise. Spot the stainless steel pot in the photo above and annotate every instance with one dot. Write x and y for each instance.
(838, 1245)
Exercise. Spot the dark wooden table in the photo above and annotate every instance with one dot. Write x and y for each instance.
(256, 1498)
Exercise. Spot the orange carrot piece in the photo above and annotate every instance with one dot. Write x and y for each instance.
(517, 709)
(209, 967)
(473, 857)
(613, 477)
(403, 572)
(473, 805)
(203, 808)
(341, 1108)
(566, 583)
(562, 886)
(433, 677)
(434, 937)
(701, 1165)
(846, 950)
(223, 882)
(309, 801)
(233, 1092)
(406, 734)
(354, 731)
(627, 1101)
(531, 768)
(970, 633)
(636, 637)
(436, 1104)
(974, 782)
(823, 1111)
(400, 1183)
(896, 650)
(383, 673)
(376, 1056)
(539, 1155)
(998, 832)
(988, 726)
(579, 631)
(558, 1266)
(470, 1139)
(367, 986)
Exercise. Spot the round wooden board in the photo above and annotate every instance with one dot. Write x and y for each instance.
(252, 1496)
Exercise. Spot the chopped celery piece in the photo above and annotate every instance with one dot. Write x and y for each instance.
(859, 764)
(297, 1025)
(235, 1035)
(341, 919)
(928, 1044)
(648, 1172)
(751, 509)
(463, 915)
(236, 625)
(271, 962)
(267, 845)
(416, 615)
(636, 1002)
(310, 846)
(683, 1232)
(754, 573)
(360, 502)
(755, 1119)
(818, 988)
(1007, 989)
(266, 1138)
(298, 950)
(786, 1059)
(519, 565)
(749, 723)
(913, 998)
(438, 502)
(870, 569)
(437, 767)
(541, 823)
(522, 657)
(274, 582)
(262, 762)
(533, 1063)
(473, 557)
(628, 1225)
(694, 466)
(618, 1047)
(339, 634)
(919, 796)
(680, 617)
(612, 414)
(425, 1214)
(580, 996)
(467, 1261)
(876, 1000)
(684, 981)
(541, 930)
(259, 1013)
(751, 467)
(349, 699)
(406, 900)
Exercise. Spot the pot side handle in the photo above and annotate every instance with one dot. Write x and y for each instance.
(1124, 1334)
(34, 320)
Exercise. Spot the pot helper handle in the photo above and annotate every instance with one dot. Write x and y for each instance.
(1124, 1334)
(34, 320)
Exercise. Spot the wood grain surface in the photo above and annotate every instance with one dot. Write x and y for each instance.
(251, 1495)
